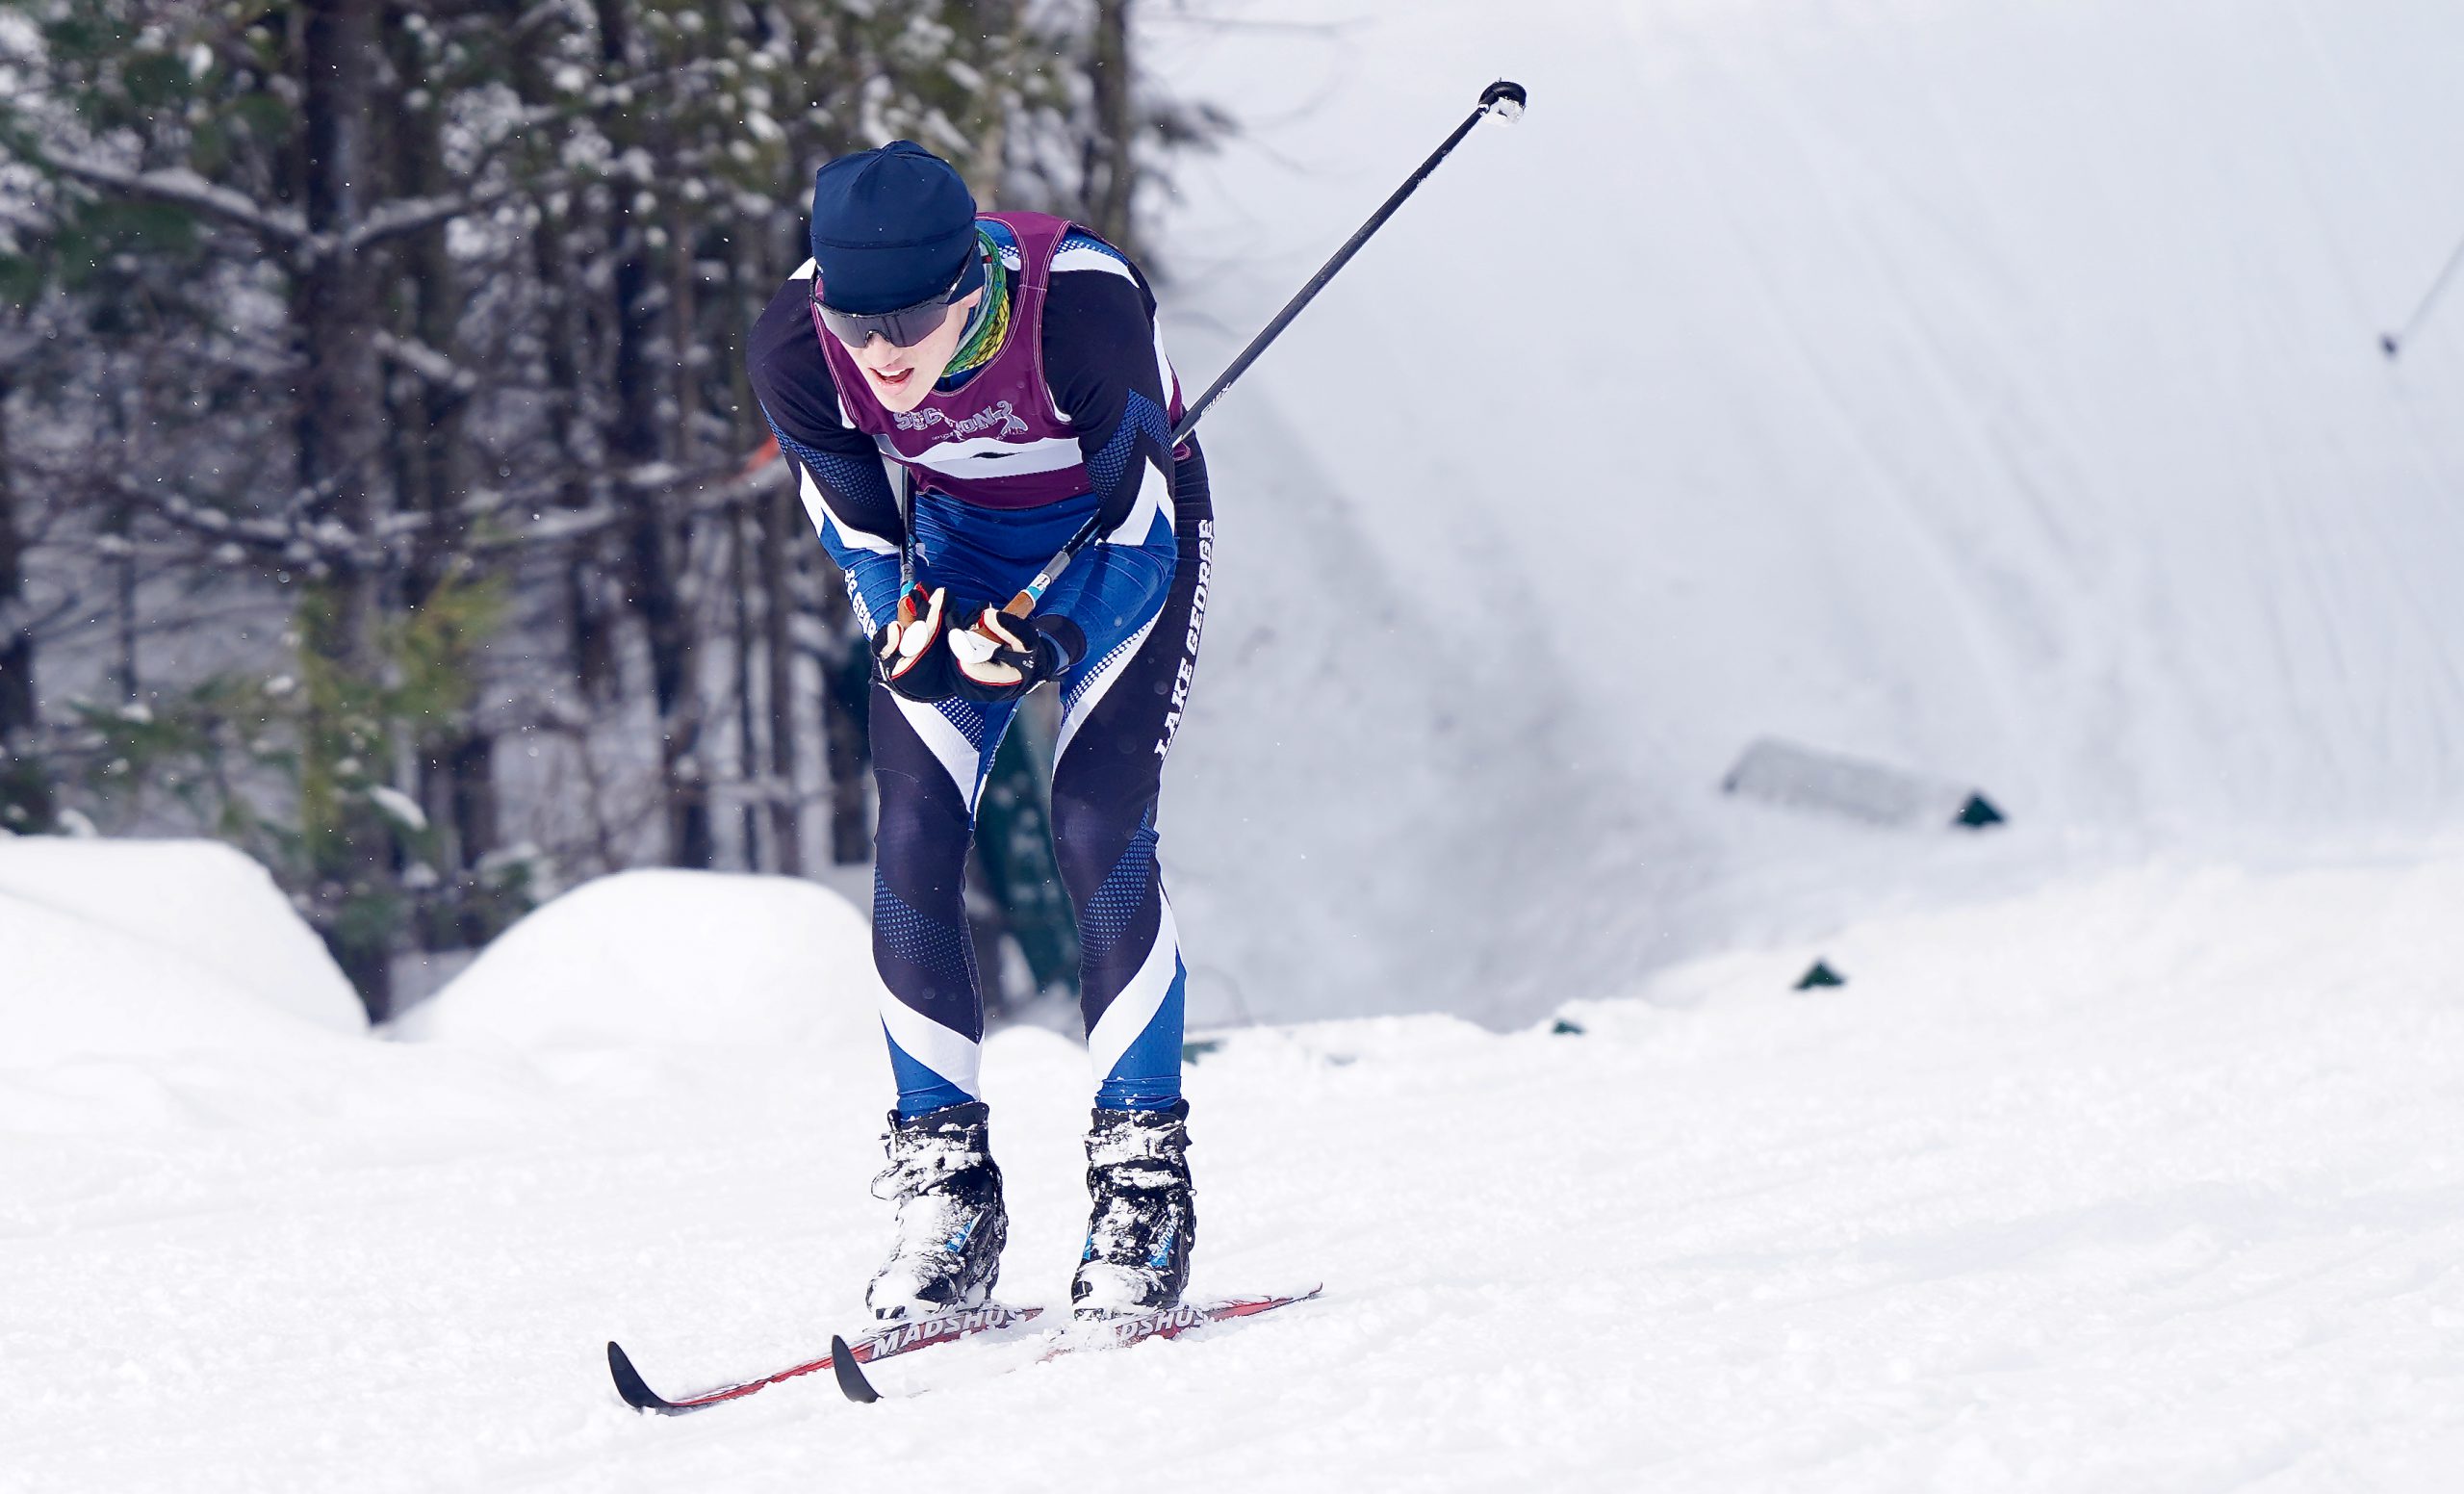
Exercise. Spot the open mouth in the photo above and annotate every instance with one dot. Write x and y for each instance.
(897, 380)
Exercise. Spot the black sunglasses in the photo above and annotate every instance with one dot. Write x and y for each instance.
(904, 327)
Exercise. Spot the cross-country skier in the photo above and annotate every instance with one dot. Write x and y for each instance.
(1009, 364)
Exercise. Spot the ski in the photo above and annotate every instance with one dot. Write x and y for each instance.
(897, 1338)
(1095, 1334)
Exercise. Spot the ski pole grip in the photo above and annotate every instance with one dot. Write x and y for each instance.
(1025, 601)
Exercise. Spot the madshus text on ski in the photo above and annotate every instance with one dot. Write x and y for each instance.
(908, 1335)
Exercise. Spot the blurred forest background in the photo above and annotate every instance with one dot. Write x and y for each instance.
(379, 487)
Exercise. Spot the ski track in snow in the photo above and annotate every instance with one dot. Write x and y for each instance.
(2145, 1178)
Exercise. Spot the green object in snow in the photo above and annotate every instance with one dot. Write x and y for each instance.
(1014, 846)
(1822, 974)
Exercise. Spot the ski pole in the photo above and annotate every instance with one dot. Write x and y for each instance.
(1501, 98)
(2393, 342)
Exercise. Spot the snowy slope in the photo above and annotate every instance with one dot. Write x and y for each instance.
(2136, 1180)
(211, 915)
(124, 962)
(662, 957)
(1985, 387)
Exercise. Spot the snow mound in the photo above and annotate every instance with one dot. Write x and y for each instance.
(119, 949)
(661, 956)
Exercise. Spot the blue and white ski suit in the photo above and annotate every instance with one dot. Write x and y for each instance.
(1072, 417)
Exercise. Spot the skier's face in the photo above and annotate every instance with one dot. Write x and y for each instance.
(900, 378)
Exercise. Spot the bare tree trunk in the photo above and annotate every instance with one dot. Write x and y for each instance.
(776, 528)
(25, 790)
(987, 125)
(124, 592)
(1111, 170)
(470, 783)
(590, 631)
(341, 429)
(656, 549)
(845, 698)
(128, 415)
(455, 755)
(655, 552)
(748, 746)
(684, 348)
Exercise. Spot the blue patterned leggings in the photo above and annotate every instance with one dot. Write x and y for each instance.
(1122, 707)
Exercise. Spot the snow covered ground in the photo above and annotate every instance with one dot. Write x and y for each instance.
(2141, 1179)
(1984, 386)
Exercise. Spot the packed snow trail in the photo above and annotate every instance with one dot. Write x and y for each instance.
(2144, 1179)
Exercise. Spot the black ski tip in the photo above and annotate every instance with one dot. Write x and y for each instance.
(630, 1385)
(851, 1376)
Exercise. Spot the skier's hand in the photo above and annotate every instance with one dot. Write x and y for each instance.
(907, 652)
(998, 657)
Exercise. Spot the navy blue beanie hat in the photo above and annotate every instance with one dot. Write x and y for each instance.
(892, 228)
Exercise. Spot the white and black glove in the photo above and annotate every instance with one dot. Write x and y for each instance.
(907, 651)
(998, 657)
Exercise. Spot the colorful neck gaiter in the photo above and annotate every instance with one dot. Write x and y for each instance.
(992, 321)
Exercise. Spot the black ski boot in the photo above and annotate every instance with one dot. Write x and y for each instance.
(1144, 1222)
(951, 1225)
